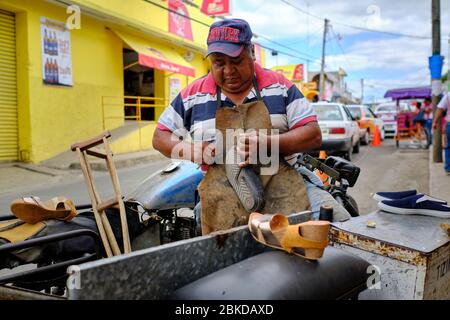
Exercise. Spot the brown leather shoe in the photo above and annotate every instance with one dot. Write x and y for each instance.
(32, 210)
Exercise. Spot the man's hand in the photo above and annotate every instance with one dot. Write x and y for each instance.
(248, 146)
(203, 152)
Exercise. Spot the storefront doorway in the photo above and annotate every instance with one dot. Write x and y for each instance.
(139, 81)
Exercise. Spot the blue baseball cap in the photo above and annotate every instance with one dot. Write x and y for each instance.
(229, 37)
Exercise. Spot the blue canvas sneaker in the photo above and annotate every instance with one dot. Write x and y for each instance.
(417, 204)
(380, 196)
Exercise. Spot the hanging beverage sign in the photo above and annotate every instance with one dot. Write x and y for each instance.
(179, 22)
(56, 53)
(216, 7)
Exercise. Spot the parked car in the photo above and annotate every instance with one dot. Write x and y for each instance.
(340, 133)
(367, 121)
(388, 113)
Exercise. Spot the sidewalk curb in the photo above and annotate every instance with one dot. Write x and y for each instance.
(120, 163)
(39, 169)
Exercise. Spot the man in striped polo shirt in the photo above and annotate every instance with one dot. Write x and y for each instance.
(233, 74)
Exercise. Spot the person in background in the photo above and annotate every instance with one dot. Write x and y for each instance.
(419, 117)
(443, 107)
(428, 110)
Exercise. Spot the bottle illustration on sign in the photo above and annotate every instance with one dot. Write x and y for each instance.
(51, 71)
(46, 42)
(46, 77)
(51, 46)
(56, 72)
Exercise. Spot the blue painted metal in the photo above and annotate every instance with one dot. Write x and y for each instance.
(172, 187)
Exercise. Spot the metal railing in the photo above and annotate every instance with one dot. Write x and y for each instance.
(112, 105)
(136, 102)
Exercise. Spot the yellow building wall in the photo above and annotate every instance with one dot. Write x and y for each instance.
(53, 117)
(137, 140)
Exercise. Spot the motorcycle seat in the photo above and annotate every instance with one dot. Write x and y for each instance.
(276, 275)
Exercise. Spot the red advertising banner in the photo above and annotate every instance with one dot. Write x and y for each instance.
(178, 24)
(216, 7)
(258, 56)
(298, 73)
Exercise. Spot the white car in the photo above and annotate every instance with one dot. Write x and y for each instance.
(388, 113)
(340, 131)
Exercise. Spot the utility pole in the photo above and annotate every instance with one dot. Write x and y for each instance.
(322, 68)
(436, 84)
(362, 91)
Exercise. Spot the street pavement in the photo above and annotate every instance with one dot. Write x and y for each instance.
(383, 168)
(386, 168)
(18, 182)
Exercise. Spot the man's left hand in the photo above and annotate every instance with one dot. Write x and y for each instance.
(248, 146)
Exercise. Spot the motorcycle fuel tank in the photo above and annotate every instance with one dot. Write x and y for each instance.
(171, 188)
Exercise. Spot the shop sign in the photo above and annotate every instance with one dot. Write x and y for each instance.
(56, 53)
(179, 22)
(293, 72)
(216, 7)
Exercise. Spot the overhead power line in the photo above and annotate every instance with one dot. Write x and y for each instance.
(306, 57)
(340, 47)
(397, 34)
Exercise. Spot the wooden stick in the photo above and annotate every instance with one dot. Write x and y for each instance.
(107, 225)
(98, 219)
(116, 185)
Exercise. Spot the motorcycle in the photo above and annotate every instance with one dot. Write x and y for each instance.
(160, 210)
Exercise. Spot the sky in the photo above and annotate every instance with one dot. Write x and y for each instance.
(384, 61)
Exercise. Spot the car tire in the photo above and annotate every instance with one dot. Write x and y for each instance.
(366, 139)
(356, 147)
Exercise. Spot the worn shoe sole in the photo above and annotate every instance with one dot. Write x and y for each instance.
(246, 183)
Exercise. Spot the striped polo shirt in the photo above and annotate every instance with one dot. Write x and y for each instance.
(193, 110)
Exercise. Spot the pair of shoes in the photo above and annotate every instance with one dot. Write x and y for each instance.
(32, 210)
(417, 203)
(307, 240)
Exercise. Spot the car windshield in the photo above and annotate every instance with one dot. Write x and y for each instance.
(392, 108)
(328, 112)
(355, 111)
(369, 113)
(387, 109)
